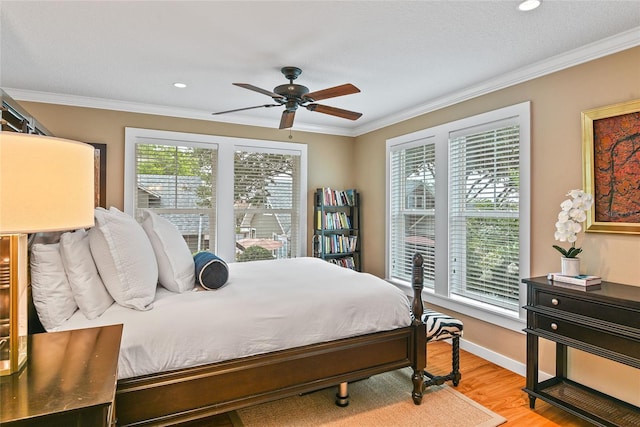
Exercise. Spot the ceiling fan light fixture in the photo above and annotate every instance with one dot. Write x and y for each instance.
(292, 96)
(528, 5)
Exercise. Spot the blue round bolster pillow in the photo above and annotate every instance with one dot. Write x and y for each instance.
(211, 271)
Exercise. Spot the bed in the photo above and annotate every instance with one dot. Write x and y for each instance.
(278, 353)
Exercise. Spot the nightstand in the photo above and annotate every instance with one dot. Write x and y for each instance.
(604, 321)
(69, 380)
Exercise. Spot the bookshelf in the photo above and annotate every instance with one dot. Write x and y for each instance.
(336, 236)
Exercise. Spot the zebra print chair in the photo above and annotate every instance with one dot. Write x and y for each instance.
(438, 327)
(441, 327)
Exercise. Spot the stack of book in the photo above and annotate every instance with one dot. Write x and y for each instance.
(338, 197)
(581, 280)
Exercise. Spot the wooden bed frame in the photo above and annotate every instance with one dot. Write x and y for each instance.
(190, 394)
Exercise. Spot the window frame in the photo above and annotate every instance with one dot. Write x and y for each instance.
(439, 135)
(226, 147)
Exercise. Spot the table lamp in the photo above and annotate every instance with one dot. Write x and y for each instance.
(46, 184)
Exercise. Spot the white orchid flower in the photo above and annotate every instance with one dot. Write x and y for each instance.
(570, 219)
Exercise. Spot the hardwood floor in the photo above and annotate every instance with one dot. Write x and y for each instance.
(496, 388)
(499, 390)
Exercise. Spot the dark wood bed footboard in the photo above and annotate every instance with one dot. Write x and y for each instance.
(194, 393)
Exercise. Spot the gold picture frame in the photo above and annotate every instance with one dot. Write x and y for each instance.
(100, 174)
(611, 172)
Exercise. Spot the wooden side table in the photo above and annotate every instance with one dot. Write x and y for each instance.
(69, 380)
(604, 321)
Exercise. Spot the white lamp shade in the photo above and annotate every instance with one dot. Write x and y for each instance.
(46, 184)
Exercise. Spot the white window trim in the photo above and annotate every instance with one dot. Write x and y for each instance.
(440, 134)
(226, 147)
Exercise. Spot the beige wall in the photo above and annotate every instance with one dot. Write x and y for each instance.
(343, 162)
(330, 157)
(556, 146)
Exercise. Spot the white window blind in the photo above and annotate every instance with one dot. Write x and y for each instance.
(484, 206)
(459, 193)
(412, 210)
(266, 204)
(178, 183)
(240, 198)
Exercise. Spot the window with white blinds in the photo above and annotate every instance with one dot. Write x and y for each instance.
(266, 204)
(240, 198)
(459, 193)
(412, 222)
(484, 210)
(178, 183)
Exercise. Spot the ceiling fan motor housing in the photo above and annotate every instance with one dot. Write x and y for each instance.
(291, 90)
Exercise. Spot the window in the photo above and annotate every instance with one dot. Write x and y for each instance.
(266, 204)
(412, 209)
(458, 193)
(178, 183)
(242, 199)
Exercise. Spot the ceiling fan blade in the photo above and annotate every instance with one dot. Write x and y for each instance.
(259, 90)
(287, 119)
(338, 112)
(332, 92)
(246, 108)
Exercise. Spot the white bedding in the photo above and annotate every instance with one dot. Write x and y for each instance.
(265, 306)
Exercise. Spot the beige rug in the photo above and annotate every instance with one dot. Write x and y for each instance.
(383, 400)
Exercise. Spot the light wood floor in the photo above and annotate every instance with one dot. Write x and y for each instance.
(496, 388)
(499, 390)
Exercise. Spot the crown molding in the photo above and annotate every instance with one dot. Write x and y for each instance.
(133, 107)
(604, 47)
(589, 52)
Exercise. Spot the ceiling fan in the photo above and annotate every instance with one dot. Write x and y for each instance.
(293, 95)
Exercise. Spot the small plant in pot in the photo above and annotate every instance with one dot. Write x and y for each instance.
(569, 224)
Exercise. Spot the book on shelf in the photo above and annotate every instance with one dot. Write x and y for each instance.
(347, 262)
(335, 221)
(581, 280)
(338, 244)
(338, 197)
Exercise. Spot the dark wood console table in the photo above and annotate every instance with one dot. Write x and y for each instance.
(604, 321)
(69, 380)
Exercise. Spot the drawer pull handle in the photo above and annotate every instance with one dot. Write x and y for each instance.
(554, 301)
(554, 326)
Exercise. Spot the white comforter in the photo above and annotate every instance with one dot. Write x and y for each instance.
(265, 306)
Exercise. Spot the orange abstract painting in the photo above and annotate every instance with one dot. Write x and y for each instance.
(616, 156)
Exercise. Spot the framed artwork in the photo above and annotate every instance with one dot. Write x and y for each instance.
(611, 153)
(100, 174)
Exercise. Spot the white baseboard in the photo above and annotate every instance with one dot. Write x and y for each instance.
(499, 359)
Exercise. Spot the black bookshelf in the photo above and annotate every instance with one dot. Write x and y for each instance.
(336, 227)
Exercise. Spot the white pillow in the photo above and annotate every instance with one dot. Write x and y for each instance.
(50, 288)
(124, 258)
(176, 270)
(88, 290)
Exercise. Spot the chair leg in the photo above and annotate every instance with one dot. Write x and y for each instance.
(454, 376)
(455, 361)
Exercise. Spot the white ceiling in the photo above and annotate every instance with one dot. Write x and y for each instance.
(407, 57)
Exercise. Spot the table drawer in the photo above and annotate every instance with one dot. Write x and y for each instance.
(591, 336)
(592, 309)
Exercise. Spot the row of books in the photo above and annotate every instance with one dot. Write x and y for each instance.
(334, 220)
(338, 197)
(339, 244)
(347, 262)
(581, 280)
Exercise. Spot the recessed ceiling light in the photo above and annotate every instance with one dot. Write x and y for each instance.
(528, 5)
(180, 85)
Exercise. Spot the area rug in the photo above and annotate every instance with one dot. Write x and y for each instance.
(383, 400)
